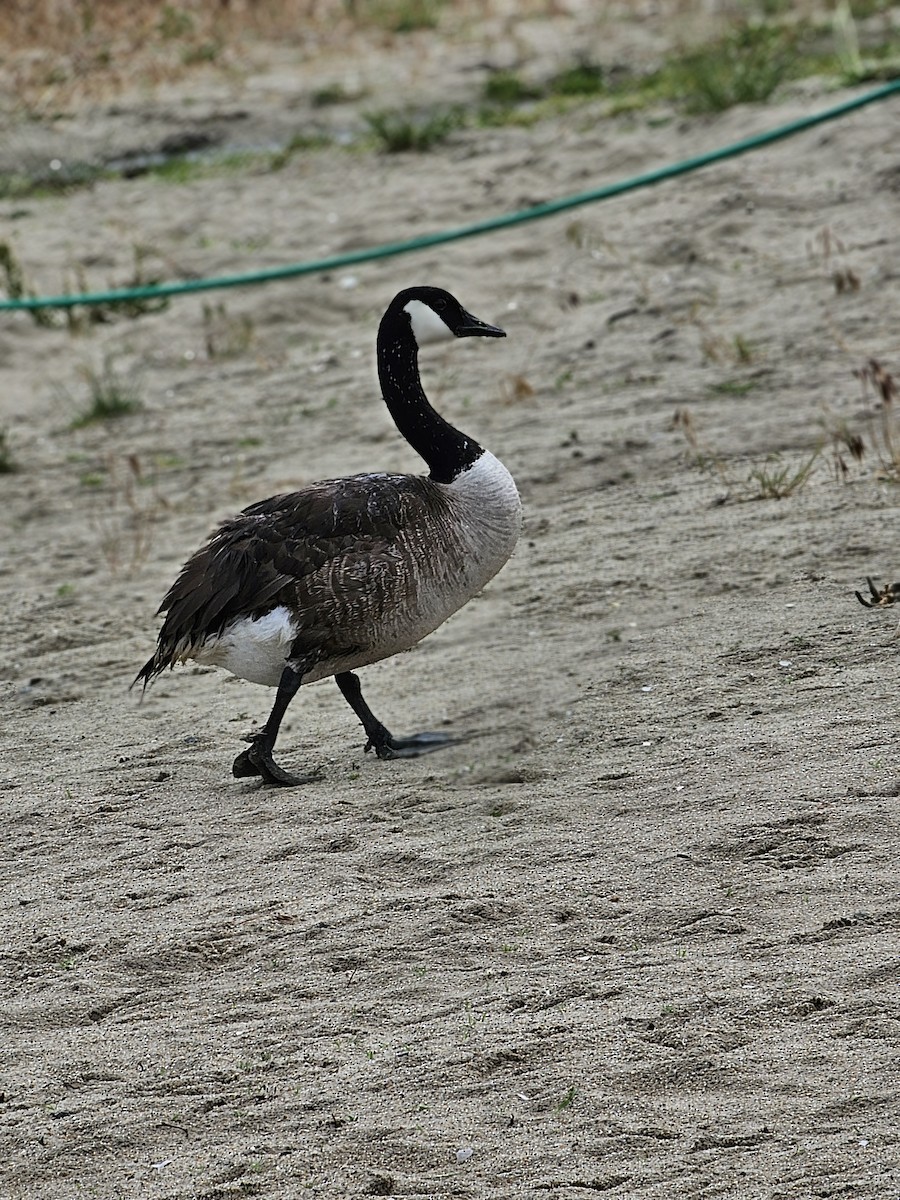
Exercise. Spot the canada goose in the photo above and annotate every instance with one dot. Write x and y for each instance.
(349, 571)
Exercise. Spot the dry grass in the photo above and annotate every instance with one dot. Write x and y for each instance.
(885, 429)
(62, 25)
(776, 478)
(772, 478)
(882, 440)
(125, 521)
(7, 463)
(57, 52)
(110, 395)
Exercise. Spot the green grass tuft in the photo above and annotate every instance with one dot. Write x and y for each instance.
(396, 131)
(743, 67)
(584, 78)
(507, 88)
(399, 16)
(110, 396)
(776, 479)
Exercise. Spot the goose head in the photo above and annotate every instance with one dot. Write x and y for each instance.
(432, 314)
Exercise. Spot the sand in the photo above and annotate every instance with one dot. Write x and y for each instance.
(637, 935)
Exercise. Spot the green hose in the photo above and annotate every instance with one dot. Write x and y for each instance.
(536, 213)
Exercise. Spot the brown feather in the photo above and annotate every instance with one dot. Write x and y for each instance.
(327, 552)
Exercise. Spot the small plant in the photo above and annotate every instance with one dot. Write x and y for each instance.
(130, 511)
(773, 479)
(16, 287)
(743, 350)
(718, 348)
(882, 61)
(225, 336)
(743, 67)
(885, 426)
(49, 180)
(205, 52)
(110, 395)
(846, 41)
(776, 479)
(298, 143)
(7, 464)
(515, 388)
(824, 249)
(703, 458)
(80, 317)
(397, 131)
(844, 442)
(507, 88)
(331, 93)
(845, 280)
(184, 167)
(585, 78)
(12, 271)
(400, 16)
(174, 23)
(471, 1019)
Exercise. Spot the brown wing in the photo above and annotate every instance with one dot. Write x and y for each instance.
(291, 549)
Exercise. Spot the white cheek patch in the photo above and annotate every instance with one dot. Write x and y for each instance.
(427, 326)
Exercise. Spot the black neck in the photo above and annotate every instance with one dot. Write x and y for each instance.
(446, 451)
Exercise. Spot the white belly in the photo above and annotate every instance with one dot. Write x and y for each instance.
(256, 650)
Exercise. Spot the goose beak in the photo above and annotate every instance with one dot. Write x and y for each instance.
(472, 327)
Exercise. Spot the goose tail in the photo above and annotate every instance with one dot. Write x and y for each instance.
(152, 667)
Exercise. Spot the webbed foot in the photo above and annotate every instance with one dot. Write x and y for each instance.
(257, 760)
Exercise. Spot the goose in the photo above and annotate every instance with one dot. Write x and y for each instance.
(346, 572)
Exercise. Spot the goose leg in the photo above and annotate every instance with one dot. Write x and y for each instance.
(257, 760)
(381, 740)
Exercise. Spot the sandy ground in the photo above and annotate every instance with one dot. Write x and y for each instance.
(638, 935)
